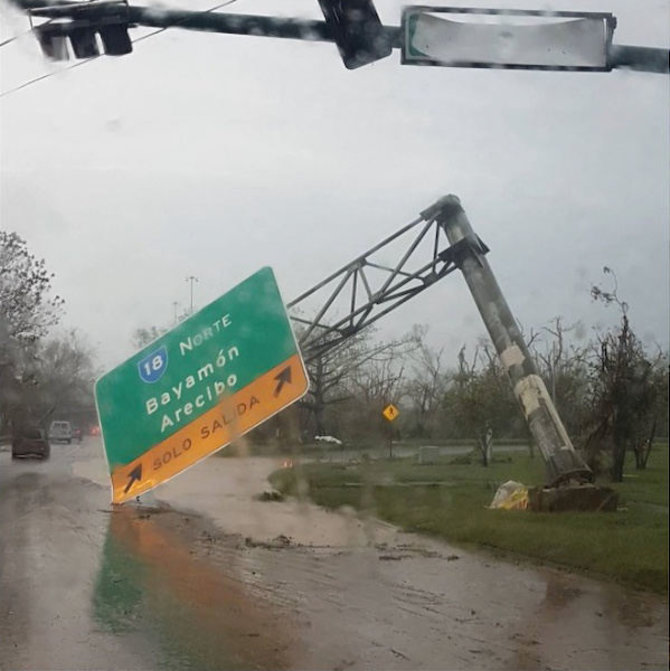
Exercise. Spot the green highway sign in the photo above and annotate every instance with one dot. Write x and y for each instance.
(212, 378)
(506, 38)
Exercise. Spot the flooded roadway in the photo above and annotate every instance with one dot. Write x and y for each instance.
(203, 576)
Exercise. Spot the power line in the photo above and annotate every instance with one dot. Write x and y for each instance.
(9, 40)
(92, 58)
(47, 75)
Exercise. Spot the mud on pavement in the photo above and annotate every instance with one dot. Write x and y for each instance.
(205, 576)
(359, 593)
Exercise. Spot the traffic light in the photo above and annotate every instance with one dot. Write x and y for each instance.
(357, 31)
(81, 23)
(84, 44)
(115, 39)
(52, 42)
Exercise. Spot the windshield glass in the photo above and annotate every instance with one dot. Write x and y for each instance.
(345, 324)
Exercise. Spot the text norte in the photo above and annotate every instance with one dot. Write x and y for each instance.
(227, 418)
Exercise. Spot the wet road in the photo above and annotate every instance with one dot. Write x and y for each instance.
(202, 576)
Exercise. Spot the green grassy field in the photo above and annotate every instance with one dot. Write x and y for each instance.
(450, 500)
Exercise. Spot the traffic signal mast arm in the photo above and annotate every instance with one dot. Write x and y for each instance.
(356, 28)
(352, 24)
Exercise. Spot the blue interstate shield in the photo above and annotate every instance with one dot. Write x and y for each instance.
(153, 365)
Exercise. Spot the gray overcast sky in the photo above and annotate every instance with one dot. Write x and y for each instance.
(213, 155)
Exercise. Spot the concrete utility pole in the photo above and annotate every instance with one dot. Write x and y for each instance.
(562, 461)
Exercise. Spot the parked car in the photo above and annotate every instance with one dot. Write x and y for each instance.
(60, 431)
(30, 441)
(76, 434)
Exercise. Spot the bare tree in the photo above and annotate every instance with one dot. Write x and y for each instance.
(327, 374)
(480, 402)
(426, 385)
(623, 387)
(61, 376)
(343, 380)
(146, 334)
(553, 357)
(564, 367)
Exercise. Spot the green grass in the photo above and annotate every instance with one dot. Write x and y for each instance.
(449, 500)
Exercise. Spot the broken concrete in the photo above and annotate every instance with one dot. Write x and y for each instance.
(583, 497)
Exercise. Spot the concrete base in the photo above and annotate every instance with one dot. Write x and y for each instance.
(572, 498)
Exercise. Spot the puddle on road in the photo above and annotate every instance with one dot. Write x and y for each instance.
(201, 615)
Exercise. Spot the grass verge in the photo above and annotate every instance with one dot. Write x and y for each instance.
(449, 500)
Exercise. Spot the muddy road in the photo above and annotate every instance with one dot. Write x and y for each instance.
(203, 576)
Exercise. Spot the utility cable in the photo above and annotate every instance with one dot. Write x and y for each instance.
(92, 58)
(9, 40)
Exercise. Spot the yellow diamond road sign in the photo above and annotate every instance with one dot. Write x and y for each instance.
(390, 412)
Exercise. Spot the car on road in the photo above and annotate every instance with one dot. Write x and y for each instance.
(60, 431)
(30, 442)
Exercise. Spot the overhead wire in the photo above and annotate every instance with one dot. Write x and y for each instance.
(84, 61)
(9, 40)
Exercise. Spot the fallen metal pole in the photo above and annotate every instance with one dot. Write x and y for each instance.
(562, 461)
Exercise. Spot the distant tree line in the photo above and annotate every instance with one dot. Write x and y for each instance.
(611, 390)
(42, 376)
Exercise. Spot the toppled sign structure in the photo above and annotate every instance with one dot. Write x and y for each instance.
(211, 379)
(236, 363)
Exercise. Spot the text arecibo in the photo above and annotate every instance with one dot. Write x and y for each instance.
(209, 389)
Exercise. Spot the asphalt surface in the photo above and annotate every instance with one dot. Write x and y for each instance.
(202, 575)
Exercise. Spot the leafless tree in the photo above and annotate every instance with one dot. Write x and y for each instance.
(624, 392)
(145, 334)
(426, 384)
(63, 373)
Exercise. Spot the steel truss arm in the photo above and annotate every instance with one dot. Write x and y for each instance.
(368, 288)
